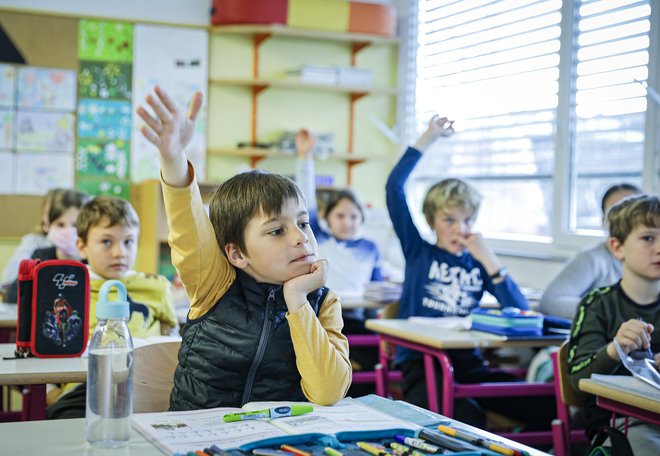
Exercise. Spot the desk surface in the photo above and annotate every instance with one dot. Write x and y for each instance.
(35, 371)
(67, 437)
(64, 438)
(625, 389)
(432, 336)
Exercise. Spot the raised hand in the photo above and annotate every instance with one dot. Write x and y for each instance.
(305, 142)
(438, 127)
(170, 131)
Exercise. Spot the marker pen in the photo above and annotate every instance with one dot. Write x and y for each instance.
(332, 452)
(417, 443)
(275, 412)
(372, 449)
(294, 450)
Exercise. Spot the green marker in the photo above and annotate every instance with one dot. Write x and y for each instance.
(275, 412)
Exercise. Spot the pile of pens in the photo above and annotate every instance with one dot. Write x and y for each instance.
(447, 440)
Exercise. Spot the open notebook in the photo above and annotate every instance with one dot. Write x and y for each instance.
(181, 432)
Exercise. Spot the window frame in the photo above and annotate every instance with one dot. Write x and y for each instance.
(564, 242)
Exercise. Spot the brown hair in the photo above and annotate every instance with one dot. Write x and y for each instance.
(631, 212)
(236, 201)
(340, 195)
(450, 194)
(105, 209)
(56, 202)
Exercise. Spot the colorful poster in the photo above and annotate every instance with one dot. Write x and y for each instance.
(47, 88)
(7, 128)
(45, 131)
(177, 60)
(106, 80)
(38, 173)
(104, 119)
(105, 41)
(7, 85)
(104, 187)
(107, 158)
(6, 172)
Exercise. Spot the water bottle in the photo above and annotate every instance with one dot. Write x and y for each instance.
(110, 372)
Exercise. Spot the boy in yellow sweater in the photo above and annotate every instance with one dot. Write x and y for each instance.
(262, 325)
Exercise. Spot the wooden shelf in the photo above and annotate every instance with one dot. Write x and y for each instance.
(256, 153)
(321, 35)
(292, 84)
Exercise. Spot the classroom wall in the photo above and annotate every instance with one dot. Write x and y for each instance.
(188, 12)
(532, 272)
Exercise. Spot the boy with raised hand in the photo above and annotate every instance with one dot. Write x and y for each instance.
(108, 231)
(626, 312)
(262, 326)
(448, 278)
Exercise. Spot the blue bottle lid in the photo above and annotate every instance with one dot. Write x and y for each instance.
(112, 310)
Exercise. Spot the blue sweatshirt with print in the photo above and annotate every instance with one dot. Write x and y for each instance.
(437, 283)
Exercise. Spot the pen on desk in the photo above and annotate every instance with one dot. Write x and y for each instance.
(417, 443)
(479, 440)
(371, 449)
(649, 352)
(274, 412)
(332, 452)
(403, 450)
(294, 450)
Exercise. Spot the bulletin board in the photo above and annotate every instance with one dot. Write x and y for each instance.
(99, 54)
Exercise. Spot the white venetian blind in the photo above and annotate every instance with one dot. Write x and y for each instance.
(493, 66)
(610, 101)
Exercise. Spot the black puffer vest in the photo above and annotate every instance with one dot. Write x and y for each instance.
(240, 351)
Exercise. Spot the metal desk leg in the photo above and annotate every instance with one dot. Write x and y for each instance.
(34, 403)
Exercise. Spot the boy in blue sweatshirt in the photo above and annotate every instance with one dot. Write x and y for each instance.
(448, 278)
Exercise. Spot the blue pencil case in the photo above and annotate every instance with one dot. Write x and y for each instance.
(509, 321)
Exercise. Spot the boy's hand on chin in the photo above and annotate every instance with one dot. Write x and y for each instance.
(297, 288)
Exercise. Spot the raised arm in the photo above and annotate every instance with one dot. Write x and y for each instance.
(397, 204)
(306, 176)
(203, 269)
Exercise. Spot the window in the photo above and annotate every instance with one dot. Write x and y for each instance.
(610, 102)
(530, 142)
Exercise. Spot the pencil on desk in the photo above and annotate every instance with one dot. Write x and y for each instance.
(479, 440)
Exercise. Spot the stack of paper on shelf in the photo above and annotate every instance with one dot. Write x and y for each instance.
(351, 77)
(314, 74)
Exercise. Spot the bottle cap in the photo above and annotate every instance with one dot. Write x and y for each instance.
(112, 310)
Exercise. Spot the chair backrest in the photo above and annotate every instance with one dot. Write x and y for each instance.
(154, 376)
(567, 393)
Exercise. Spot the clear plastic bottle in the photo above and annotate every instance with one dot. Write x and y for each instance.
(110, 372)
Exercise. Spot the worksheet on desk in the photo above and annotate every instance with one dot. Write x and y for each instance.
(184, 431)
(347, 415)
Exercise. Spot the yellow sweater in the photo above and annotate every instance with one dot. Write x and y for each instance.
(321, 349)
(152, 303)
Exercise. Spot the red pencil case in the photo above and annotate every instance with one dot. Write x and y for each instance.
(53, 308)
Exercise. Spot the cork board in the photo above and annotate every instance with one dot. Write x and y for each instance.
(45, 41)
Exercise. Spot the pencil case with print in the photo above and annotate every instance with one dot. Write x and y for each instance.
(53, 308)
(509, 321)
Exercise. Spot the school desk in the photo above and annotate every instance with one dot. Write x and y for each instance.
(64, 438)
(433, 342)
(32, 375)
(67, 437)
(625, 395)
